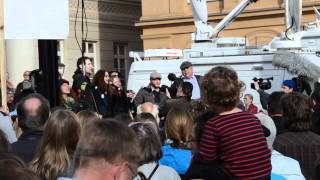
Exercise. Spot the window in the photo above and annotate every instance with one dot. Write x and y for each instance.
(121, 60)
(91, 52)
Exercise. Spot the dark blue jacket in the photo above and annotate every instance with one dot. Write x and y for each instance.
(27, 144)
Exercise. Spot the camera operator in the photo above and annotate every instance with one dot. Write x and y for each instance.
(188, 76)
(288, 86)
(153, 92)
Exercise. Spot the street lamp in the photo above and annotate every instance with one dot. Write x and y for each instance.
(61, 68)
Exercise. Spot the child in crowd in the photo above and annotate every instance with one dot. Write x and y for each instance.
(177, 152)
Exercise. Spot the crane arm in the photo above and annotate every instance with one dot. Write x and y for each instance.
(200, 13)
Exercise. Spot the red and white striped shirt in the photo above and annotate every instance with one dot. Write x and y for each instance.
(238, 141)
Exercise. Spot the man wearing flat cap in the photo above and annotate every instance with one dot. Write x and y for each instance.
(188, 76)
(152, 93)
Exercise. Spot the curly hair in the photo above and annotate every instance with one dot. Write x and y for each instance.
(221, 89)
(98, 80)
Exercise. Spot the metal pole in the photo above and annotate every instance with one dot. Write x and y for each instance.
(2, 60)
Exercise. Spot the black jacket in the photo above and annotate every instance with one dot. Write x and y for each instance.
(147, 95)
(83, 89)
(27, 144)
(103, 101)
(120, 102)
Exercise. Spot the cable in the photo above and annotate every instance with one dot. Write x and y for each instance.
(86, 20)
(75, 26)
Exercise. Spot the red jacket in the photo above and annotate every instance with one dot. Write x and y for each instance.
(252, 109)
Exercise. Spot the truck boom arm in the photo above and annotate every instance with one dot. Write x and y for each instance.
(200, 14)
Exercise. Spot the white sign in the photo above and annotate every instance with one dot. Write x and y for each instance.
(36, 19)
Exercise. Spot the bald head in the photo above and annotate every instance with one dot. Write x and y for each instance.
(147, 107)
(33, 112)
(32, 105)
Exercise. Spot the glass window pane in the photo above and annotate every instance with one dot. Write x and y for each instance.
(121, 49)
(115, 63)
(115, 52)
(90, 48)
(122, 63)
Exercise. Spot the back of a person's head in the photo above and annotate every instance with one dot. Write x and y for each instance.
(8, 158)
(32, 112)
(106, 141)
(268, 123)
(179, 126)
(149, 107)
(11, 171)
(198, 108)
(12, 167)
(149, 141)
(124, 118)
(60, 138)
(274, 103)
(297, 111)
(221, 89)
(86, 116)
(187, 89)
(146, 117)
(4, 143)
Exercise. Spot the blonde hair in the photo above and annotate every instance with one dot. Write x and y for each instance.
(86, 116)
(179, 126)
(60, 138)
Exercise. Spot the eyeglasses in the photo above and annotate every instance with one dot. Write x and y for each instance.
(156, 79)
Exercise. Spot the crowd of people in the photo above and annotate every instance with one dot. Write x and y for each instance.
(196, 129)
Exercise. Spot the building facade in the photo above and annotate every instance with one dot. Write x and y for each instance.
(169, 23)
(110, 34)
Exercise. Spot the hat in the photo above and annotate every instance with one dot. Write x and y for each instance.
(62, 81)
(185, 64)
(155, 75)
(290, 84)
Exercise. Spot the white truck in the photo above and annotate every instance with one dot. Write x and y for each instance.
(294, 51)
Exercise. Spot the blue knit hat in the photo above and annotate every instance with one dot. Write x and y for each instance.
(290, 84)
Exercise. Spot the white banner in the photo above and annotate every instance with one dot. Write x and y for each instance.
(36, 19)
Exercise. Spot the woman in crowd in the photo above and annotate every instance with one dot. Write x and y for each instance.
(66, 99)
(232, 143)
(86, 116)
(177, 152)
(101, 93)
(151, 152)
(55, 152)
(299, 142)
(120, 102)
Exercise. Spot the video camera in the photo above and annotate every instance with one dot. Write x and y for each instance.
(264, 83)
